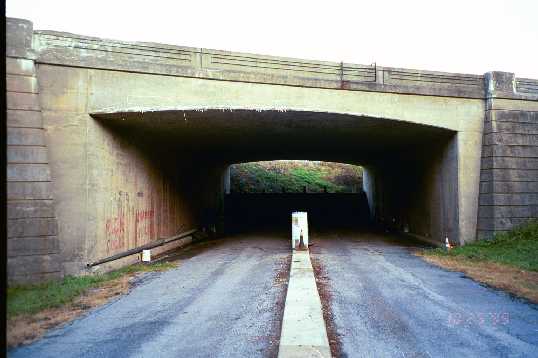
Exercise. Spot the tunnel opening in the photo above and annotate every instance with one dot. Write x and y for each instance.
(155, 173)
(263, 195)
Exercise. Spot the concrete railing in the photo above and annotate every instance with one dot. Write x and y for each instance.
(527, 86)
(83, 51)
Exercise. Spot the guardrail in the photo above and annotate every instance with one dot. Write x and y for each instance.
(139, 249)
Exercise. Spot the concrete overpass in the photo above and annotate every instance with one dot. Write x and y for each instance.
(112, 144)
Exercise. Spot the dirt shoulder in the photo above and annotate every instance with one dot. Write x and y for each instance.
(26, 328)
(518, 282)
(26, 324)
(322, 282)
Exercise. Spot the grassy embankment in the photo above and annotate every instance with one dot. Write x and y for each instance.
(509, 261)
(293, 176)
(32, 309)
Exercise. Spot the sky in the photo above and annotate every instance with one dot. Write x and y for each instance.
(465, 36)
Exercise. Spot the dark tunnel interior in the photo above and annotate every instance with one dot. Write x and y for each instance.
(407, 165)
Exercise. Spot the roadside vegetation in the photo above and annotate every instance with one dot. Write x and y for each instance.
(32, 309)
(293, 175)
(518, 248)
(30, 299)
(509, 261)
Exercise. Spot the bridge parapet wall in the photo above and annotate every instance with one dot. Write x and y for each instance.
(509, 173)
(527, 86)
(33, 245)
(82, 51)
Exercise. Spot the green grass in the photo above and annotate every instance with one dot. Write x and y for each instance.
(517, 248)
(293, 176)
(314, 180)
(31, 299)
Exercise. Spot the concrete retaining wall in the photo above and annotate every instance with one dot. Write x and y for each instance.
(114, 190)
(33, 245)
(417, 192)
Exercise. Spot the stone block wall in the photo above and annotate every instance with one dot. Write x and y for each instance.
(509, 171)
(33, 252)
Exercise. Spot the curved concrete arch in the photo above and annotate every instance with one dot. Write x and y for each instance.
(112, 91)
(269, 134)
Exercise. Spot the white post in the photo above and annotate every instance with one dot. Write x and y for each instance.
(299, 228)
(146, 255)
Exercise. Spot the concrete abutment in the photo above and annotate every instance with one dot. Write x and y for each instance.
(509, 168)
(32, 230)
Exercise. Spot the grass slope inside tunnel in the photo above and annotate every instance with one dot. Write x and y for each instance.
(294, 175)
(509, 261)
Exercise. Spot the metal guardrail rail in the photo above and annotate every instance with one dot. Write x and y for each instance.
(139, 249)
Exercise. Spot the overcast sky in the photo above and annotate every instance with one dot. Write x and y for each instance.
(468, 36)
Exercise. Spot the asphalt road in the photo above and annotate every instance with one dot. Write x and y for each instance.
(224, 300)
(387, 302)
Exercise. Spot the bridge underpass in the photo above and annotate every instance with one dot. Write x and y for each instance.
(445, 153)
(410, 168)
(168, 169)
(115, 144)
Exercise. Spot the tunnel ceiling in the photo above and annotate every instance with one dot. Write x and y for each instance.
(249, 135)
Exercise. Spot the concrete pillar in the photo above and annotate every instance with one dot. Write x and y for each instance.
(469, 147)
(33, 249)
(500, 84)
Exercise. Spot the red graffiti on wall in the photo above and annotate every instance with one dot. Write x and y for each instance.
(115, 231)
(115, 226)
(144, 225)
(144, 215)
